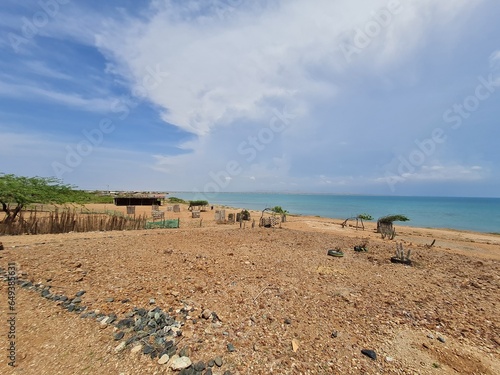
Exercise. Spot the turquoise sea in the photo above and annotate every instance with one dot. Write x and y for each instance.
(475, 214)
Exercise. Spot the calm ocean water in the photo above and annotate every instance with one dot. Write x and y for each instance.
(476, 214)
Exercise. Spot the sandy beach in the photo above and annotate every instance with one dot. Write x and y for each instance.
(282, 303)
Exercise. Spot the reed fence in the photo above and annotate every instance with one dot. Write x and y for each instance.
(64, 221)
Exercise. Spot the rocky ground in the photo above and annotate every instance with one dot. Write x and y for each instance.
(252, 301)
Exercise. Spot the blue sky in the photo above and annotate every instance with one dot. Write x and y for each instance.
(347, 96)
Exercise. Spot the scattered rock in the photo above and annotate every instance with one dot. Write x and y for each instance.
(109, 300)
(180, 363)
(231, 347)
(295, 345)
(163, 359)
(120, 347)
(218, 361)
(369, 353)
(199, 366)
(389, 359)
(334, 334)
(147, 349)
(441, 339)
(206, 314)
(152, 301)
(136, 349)
(80, 293)
(119, 335)
(288, 321)
(430, 336)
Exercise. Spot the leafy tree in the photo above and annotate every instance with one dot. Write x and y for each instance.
(364, 217)
(389, 219)
(279, 210)
(16, 192)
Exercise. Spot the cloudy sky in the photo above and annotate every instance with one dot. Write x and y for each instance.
(322, 96)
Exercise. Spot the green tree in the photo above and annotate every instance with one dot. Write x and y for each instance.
(389, 219)
(279, 210)
(16, 192)
(366, 217)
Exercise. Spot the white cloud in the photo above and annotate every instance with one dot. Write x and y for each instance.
(220, 70)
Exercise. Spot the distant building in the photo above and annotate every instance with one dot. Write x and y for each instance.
(139, 200)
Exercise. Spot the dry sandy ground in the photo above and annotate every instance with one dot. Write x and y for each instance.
(270, 287)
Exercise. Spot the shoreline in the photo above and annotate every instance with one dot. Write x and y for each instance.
(460, 213)
(471, 243)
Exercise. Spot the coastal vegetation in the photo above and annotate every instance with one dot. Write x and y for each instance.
(16, 192)
(176, 200)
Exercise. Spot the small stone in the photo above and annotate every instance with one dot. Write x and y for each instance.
(169, 344)
(218, 361)
(441, 339)
(120, 347)
(111, 299)
(136, 349)
(152, 301)
(119, 335)
(369, 353)
(77, 300)
(147, 349)
(334, 334)
(208, 372)
(206, 314)
(288, 321)
(430, 336)
(163, 359)
(111, 318)
(211, 363)
(200, 366)
(295, 345)
(63, 298)
(389, 359)
(125, 300)
(231, 347)
(184, 352)
(180, 363)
